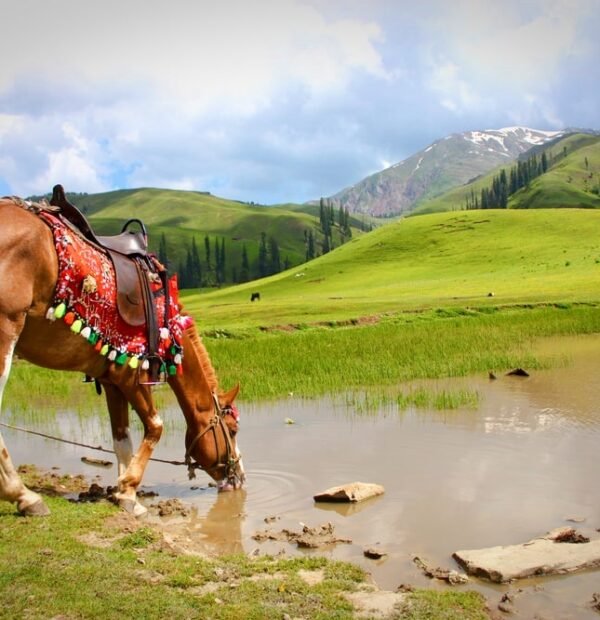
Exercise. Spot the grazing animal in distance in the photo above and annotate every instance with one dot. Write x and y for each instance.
(255, 297)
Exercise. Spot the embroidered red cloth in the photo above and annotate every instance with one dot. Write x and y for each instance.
(86, 291)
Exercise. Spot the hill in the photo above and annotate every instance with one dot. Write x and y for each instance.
(572, 181)
(187, 218)
(445, 164)
(439, 260)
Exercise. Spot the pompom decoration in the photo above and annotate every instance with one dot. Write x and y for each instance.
(134, 362)
(76, 326)
(85, 332)
(104, 350)
(112, 356)
(121, 358)
(60, 311)
(164, 333)
(145, 365)
(178, 358)
(69, 318)
(50, 314)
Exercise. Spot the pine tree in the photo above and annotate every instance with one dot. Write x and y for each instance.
(245, 270)
(275, 263)
(162, 251)
(262, 256)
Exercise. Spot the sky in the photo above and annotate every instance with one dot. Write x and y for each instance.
(272, 101)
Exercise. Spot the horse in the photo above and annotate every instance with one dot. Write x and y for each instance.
(28, 276)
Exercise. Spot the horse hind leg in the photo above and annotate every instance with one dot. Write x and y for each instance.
(12, 488)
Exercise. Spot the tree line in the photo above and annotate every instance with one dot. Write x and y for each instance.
(505, 185)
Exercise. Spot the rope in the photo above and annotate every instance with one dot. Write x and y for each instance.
(81, 445)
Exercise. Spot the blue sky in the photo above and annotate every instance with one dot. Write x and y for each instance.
(275, 100)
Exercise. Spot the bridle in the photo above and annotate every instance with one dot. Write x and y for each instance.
(217, 421)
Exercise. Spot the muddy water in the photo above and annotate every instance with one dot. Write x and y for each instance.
(522, 463)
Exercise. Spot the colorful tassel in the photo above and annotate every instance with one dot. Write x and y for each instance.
(50, 314)
(112, 356)
(76, 326)
(99, 345)
(178, 359)
(145, 365)
(134, 362)
(60, 310)
(104, 350)
(121, 359)
(69, 318)
(172, 369)
(93, 337)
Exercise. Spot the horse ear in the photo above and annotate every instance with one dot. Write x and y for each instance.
(229, 397)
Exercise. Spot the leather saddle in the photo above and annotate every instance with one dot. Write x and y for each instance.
(134, 269)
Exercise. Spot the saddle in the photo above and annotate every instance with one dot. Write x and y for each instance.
(135, 269)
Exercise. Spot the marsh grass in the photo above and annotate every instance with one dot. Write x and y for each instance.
(78, 563)
(318, 361)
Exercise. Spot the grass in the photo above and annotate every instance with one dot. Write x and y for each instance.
(78, 563)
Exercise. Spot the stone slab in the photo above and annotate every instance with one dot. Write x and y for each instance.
(353, 492)
(551, 554)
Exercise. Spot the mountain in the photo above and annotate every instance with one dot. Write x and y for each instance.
(571, 180)
(447, 163)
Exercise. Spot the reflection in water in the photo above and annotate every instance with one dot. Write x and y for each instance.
(512, 469)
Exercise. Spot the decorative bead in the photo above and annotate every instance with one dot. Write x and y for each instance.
(172, 369)
(85, 332)
(112, 356)
(164, 333)
(93, 337)
(121, 358)
(59, 311)
(173, 350)
(145, 365)
(76, 326)
(178, 359)
(69, 318)
(134, 362)
(50, 314)
(104, 350)
(99, 346)
(180, 369)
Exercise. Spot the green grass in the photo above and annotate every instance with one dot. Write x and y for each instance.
(445, 260)
(76, 564)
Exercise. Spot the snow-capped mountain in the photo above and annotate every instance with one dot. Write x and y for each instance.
(447, 163)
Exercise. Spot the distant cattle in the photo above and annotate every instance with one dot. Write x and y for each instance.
(255, 297)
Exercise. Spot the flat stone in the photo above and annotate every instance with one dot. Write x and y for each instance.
(352, 492)
(561, 551)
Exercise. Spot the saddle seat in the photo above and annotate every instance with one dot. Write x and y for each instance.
(134, 269)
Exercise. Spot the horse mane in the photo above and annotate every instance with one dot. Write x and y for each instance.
(205, 363)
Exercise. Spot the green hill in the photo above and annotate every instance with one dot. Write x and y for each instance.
(570, 182)
(187, 216)
(472, 258)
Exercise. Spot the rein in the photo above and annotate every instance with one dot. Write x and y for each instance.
(218, 419)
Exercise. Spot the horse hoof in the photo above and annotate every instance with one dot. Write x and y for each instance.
(133, 507)
(37, 509)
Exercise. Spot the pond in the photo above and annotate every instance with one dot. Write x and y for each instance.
(521, 462)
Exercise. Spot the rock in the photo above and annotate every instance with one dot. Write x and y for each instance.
(563, 550)
(99, 462)
(518, 372)
(374, 553)
(451, 576)
(353, 492)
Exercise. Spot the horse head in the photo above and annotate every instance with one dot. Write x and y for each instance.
(211, 442)
(211, 415)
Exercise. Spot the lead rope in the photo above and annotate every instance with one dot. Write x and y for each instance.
(83, 445)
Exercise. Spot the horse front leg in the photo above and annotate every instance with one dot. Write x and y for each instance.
(12, 488)
(132, 466)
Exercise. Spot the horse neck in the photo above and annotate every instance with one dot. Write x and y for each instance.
(195, 386)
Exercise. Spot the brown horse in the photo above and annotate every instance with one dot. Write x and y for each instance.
(28, 275)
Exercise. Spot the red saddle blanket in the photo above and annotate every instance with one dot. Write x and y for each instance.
(85, 298)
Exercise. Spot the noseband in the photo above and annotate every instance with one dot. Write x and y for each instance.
(218, 420)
